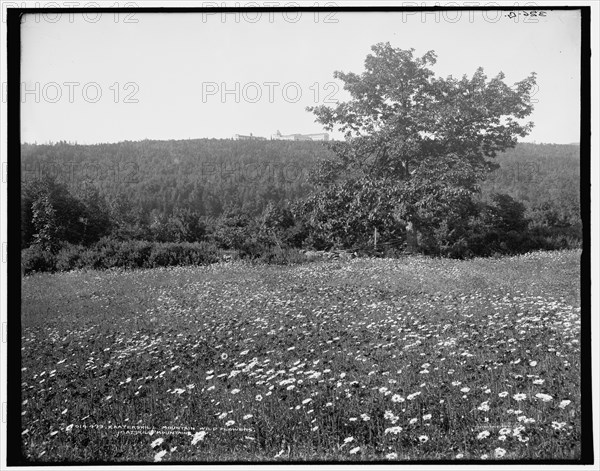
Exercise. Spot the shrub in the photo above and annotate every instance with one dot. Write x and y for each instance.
(124, 254)
(171, 254)
(36, 259)
(69, 257)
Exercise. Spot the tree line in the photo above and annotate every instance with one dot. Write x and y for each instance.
(427, 164)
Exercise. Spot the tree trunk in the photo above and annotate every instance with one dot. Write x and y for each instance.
(411, 238)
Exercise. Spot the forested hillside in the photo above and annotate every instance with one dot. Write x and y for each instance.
(204, 175)
(544, 177)
(207, 175)
(156, 203)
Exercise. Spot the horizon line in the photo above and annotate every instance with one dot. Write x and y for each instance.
(75, 143)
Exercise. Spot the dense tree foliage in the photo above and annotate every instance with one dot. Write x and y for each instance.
(138, 187)
(426, 143)
(544, 178)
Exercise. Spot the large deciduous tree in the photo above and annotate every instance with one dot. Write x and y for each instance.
(414, 142)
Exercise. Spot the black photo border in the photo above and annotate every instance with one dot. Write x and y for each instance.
(13, 439)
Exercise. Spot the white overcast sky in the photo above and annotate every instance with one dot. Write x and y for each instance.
(178, 65)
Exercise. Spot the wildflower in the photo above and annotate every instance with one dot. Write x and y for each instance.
(532, 363)
(465, 390)
(395, 430)
(504, 431)
(388, 415)
(460, 456)
(413, 421)
(348, 440)
(355, 450)
(503, 394)
(235, 391)
(423, 438)
(484, 406)
(519, 397)
(427, 417)
(564, 403)
(198, 437)
(365, 417)
(410, 397)
(499, 452)
(157, 442)
(258, 397)
(397, 398)
(392, 456)
(538, 381)
(159, 455)
(502, 438)
(523, 439)
(484, 457)
(558, 425)
(315, 428)
(544, 397)
(229, 423)
(483, 434)
(69, 428)
(248, 416)
(53, 433)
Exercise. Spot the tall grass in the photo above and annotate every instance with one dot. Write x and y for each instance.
(366, 359)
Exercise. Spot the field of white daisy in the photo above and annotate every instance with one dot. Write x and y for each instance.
(365, 359)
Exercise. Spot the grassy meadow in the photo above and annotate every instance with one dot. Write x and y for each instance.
(363, 359)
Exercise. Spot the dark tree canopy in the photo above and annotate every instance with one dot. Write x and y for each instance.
(401, 114)
(429, 140)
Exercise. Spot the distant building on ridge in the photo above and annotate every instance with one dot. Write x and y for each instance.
(323, 136)
(241, 137)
